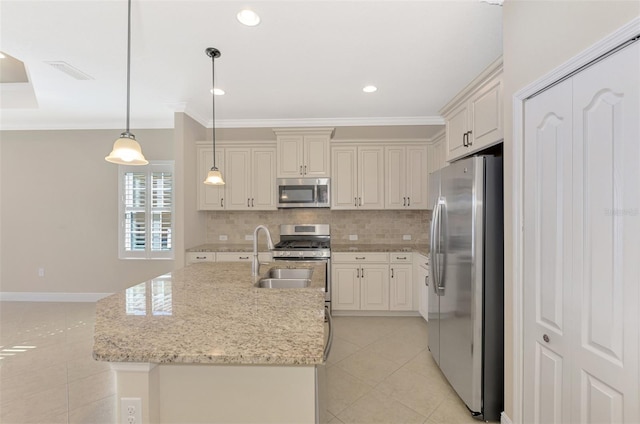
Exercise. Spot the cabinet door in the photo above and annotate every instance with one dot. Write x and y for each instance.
(209, 197)
(344, 162)
(195, 257)
(374, 289)
(345, 287)
(422, 281)
(395, 196)
(457, 125)
(290, 156)
(486, 114)
(417, 178)
(238, 178)
(371, 177)
(401, 288)
(263, 184)
(316, 156)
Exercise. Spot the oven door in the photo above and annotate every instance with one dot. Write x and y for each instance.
(327, 285)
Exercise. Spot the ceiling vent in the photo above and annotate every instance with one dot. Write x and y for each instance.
(74, 73)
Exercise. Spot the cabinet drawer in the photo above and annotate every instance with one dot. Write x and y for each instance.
(360, 257)
(243, 256)
(193, 257)
(401, 258)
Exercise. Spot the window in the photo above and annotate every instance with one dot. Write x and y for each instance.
(146, 211)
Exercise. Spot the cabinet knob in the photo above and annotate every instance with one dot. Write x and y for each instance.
(545, 338)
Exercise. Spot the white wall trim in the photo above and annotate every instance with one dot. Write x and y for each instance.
(504, 419)
(51, 297)
(610, 42)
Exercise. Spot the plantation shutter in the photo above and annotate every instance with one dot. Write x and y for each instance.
(146, 211)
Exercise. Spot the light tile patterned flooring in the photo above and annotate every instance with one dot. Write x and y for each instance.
(379, 370)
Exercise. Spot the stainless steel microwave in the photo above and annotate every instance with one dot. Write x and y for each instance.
(303, 192)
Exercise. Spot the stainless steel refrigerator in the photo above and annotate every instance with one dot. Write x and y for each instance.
(465, 307)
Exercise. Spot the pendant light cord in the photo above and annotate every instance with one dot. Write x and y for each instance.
(128, 65)
(213, 105)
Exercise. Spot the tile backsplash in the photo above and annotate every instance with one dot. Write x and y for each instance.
(371, 227)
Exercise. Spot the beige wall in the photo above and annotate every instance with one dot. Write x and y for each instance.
(59, 201)
(189, 224)
(370, 226)
(538, 37)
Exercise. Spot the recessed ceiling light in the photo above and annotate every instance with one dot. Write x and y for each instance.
(217, 91)
(248, 17)
(370, 89)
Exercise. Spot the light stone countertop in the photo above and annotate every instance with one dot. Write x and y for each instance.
(421, 248)
(211, 313)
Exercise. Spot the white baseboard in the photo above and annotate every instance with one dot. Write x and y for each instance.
(51, 297)
(504, 419)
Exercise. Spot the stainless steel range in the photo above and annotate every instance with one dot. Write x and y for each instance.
(306, 242)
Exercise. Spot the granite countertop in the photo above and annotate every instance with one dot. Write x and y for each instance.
(421, 248)
(211, 313)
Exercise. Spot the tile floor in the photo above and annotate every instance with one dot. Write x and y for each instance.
(379, 370)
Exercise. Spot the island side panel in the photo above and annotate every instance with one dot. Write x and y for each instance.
(237, 394)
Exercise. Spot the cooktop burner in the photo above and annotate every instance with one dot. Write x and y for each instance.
(303, 244)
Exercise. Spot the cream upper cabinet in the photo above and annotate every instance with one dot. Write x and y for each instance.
(250, 178)
(406, 171)
(474, 117)
(304, 153)
(357, 177)
(209, 197)
(437, 159)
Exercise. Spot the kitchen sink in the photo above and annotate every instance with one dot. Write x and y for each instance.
(296, 273)
(283, 283)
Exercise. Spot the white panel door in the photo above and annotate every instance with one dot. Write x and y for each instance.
(290, 150)
(606, 244)
(547, 262)
(345, 288)
(417, 177)
(263, 184)
(238, 178)
(581, 246)
(374, 289)
(395, 196)
(401, 288)
(316, 156)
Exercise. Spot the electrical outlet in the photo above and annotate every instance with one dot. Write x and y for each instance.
(353, 237)
(41, 272)
(131, 410)
(406, 237)
(248, 237)
(223, 237)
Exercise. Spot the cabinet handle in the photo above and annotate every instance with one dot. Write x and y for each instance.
(305, 170)
(464, 140)
(357, 272)
(222, 202)
(404, 201)
(469, 142)
(426, 280)
(252, 202)
(201, 257)
(361, 272)
(301, 170)
(243, 257)
(355, 201)
(360, 201)
(248, 202)
(360, 259)
(408, 201)
(391, 272)
(404, 258)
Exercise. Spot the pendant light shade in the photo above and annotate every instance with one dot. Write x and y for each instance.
(214, 176)
(126, 150)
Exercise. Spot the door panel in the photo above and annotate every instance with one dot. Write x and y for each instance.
(547, 268)
(606, 227)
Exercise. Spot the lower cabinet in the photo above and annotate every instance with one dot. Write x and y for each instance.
(372, 281)
(194, 257)
(422, 282)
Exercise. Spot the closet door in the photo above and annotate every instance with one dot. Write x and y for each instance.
(547, 258)
(606, 240)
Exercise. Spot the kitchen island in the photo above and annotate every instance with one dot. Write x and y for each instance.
(203, 344)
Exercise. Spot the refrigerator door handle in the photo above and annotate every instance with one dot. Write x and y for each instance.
(442, 223)
(434, 245)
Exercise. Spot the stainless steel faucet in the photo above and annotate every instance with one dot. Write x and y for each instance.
(255, 265)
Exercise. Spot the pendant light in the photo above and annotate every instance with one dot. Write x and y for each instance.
(126, 150)
(214, 177)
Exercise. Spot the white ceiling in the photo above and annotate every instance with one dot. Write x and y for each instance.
(305, 64)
